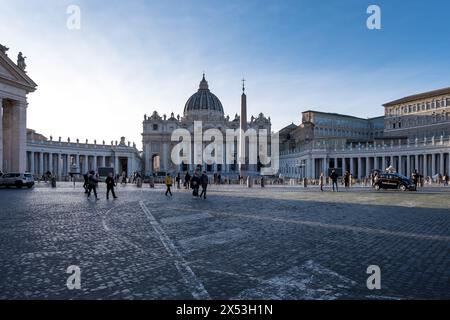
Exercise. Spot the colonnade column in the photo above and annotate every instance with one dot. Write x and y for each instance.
(433, 164)
(94, 163)
(425, 165)
(41, 164)
(32, 162)
(408, 165)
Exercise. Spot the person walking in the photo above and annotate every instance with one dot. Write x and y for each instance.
(86, 182)
(187, 180)
(204, 182)
(168, 182)
(178, 180)
(321, 181)
(92, 184)
(110, 184)
(334, 180)
(195, 184)
(347, 179)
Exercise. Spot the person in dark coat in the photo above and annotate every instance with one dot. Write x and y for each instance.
(204, 182)
(110, 184)
(195, 184)
(86, 182)
(334, 179)
(92, 184)
(187, 180)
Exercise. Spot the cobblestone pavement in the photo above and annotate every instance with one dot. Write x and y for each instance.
(272, 243)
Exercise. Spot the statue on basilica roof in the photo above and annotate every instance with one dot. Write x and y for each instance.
(21, 61)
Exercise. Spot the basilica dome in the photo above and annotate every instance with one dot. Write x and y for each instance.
(203, 102)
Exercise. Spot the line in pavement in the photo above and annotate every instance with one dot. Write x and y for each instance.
(196, 287)
(196, 243)
(330, 226)
(187, 218)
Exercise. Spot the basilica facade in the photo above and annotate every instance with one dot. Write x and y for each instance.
(205, 107)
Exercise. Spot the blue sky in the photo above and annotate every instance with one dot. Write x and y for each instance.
(133, 57)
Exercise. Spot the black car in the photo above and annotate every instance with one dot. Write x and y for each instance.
(394, 181)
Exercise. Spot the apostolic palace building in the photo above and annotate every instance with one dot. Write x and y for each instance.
(413, 134)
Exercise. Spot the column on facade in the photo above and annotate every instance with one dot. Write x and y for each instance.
(408, 165)
(352, 167)
(344, 165)
(19, 136)
(448, 164)
(50, 162)
(359, 168)
(129, 166)
(59, 165)
(425, 165)
(32, 162)
(41, 163)
(85, 163)
(433, 164)
(165, 156)
(368, 166)
(416, 162)
(116, 165)
(400, 165)
(441, 164)
(94, 163)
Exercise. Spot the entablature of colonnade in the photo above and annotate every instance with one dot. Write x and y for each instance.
(78, 147)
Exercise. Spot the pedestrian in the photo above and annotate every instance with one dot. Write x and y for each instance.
(187, 180)
(334, 180)
(415, 178)
(195, 184)
(446, 179)
(110, 184)
(168, 182)
(92, 184)
(347, 179)
(178, 180)
(86, 182)
(321, 181)
(204, 182)
(262, 182)
(219, 179)
(151, 181)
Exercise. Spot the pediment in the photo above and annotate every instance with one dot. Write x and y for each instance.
(11, 74)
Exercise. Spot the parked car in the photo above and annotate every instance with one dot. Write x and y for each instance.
(394, 181)
(18, 180)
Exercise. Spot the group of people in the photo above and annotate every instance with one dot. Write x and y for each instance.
(91, 180)
(190, 182)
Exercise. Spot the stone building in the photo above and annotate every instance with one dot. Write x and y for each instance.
(202, 106)
(419, 116)
(62, 158)
(413, 134)
(15, 85)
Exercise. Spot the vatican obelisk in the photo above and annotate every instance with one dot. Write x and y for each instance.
(243, 129)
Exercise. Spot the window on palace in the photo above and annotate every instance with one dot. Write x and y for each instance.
(393, 126)
(448, 102)
(155, 127)
(428, 105)
(438, 104)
